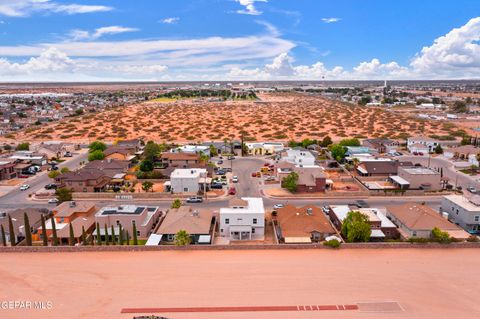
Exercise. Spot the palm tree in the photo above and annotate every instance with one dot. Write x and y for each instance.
(182, 238)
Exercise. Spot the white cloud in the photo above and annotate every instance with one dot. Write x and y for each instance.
(22, 8)
(331, 20)
(51, 60)
(456, 53)
(171, 20)
(99, 32)
(249, 7)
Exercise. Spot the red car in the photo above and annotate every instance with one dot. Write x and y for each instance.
(266, 164)
(254, 174)
(232, 191)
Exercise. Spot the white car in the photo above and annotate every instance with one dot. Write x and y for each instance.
(235, 179)
(53, 200)
(278, 206)
(24, 187)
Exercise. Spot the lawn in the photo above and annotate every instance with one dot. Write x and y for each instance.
(164, 100)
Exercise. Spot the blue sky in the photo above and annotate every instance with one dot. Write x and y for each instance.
(100, 40)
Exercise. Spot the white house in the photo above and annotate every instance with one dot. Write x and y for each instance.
(463, 211)
(187, 180)
(298, 157)
(422, 144)
(264, 148)
(243, 220)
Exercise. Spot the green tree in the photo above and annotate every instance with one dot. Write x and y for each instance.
(44, 231)
(96, 155)
(84, 237)
(135, 238)
(338, 152)
(23, 146)
(11, 230)
(97, 146)
(53, 174)
(54, 233)
(151, 151)
(120, 234)
(71, 238)
(177, 203)
(356, 227)
(459, 107)
(64, 170)
(99, 239)
(146, 186)
(4, 237)
(327, 140)
(182, 238)
(290, 182)
(107, 241)
(63, 194)
(114, 239)
(438, 149)
(146, 165)
(127, 237)
(350, 142)
(28, 231)
(213, 151)
(440, 236)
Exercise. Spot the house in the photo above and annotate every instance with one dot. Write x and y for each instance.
(29, 157)
(421, 178)
(7, 170)
(353, 151)
(298, 157)
(244, 219)
(55, 149)
(144, 217)
(311, 179)
(192, 149)
(187, 180)
(79, 214)
(84, 180)
(465, 152)
(180, 160)
(111, 168)
(382, 228)
(18, 221)
(136, 145)
(381, 145)
(302, 225)
(199, 224)
(264, 148)
(120, 153)
(422, 144)
(416, 220)
(463, 211)
(380, 168)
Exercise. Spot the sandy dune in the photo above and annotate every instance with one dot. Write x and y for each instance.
(427, 283)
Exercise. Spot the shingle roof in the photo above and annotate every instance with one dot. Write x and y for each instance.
(82, 175)
(295, 222)
(66, 209)
(184, 218)
(179, 156)
(420, 217)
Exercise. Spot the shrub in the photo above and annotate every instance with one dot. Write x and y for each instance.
(332, 243)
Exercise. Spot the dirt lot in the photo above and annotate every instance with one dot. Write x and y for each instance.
(280, 117)
(427, 283)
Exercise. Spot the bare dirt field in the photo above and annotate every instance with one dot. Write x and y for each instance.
(279, 117)
(427, 283)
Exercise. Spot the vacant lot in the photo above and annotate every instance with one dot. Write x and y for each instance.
(280, 117)
(427, 283)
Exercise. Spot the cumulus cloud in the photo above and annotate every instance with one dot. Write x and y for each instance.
(171, 20)
(22, 8)
(331, 20)
(82, 34)
(51, 60)
(249, 7)
(457, 52)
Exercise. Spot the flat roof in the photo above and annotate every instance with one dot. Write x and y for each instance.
(399, 180)
(255, 206)
(420, 170)
(188, 172)
(463, 202)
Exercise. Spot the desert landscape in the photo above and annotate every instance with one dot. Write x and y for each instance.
(101, 284)
(278, 116)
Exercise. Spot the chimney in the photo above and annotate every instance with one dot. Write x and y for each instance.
(309, 211)
(72, 204)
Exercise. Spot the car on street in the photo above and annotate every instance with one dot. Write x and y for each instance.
(194, 199)
(326, 209)
(53, 201)
(278, 206)
(221, 172)
(269, 178)
(68, 154)
(24, 187)
(216, 185)
(362, 204)
(254, 174)
(235, 179)
(472, 189)
(220, 162)
(51, 186)
(232, 191)
(231, 157)
(227, 169)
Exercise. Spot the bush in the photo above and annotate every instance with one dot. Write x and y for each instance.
(440, 236)
(332, 243)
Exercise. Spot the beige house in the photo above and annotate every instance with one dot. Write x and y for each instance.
(421, 178)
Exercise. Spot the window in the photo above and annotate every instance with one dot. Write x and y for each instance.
(254, 220)
(133, 222)
(84, 190)
(227, 221)
(221, 230)
(118, 222)
(477, 218)
(138, 233)
(253, 230)
(185, 189)
(414, 234)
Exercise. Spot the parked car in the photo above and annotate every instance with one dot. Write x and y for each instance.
(326, 209)
(420, 153)
(472, 189)
(232, 191)
(68, 154)
(53, 201)
(227, 169)
(269, 178)
(220, 162)
(254, 174)
(362, 204)
(235, 179)
(278, 206)
(231, 157)
(194, 199)
(24, 187)
(221, 172)
(51, 186)
(415, 153)
(216, 186)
